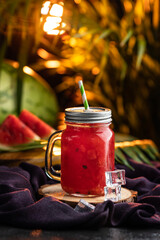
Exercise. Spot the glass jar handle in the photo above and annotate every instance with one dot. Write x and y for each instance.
(50, 171)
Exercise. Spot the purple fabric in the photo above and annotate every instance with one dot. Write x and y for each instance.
(21, 206)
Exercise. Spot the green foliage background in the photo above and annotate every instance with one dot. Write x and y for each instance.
(120, 39)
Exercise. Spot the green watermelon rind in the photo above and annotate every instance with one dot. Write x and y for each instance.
(37, 96)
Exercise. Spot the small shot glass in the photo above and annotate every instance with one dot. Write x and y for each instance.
(114, 180)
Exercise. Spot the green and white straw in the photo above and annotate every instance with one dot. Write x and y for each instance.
(84, 98)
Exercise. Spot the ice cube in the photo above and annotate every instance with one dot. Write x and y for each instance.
(112, 192)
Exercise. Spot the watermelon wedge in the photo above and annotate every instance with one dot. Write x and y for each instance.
(42, 129)
(14, 132)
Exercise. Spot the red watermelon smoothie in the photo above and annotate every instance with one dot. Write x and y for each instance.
(87, 151)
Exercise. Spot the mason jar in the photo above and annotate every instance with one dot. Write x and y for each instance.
(87, 151)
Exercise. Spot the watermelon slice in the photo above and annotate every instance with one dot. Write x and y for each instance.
(14, 132)
(37, 125)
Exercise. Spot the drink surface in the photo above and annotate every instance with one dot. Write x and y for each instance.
(87, 152)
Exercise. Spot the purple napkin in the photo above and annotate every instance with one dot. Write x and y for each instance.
(21, 206)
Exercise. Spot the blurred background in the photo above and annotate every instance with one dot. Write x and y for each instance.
(46, 47)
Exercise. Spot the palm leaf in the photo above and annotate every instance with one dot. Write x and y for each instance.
(121, 158)
(153, 150)
(105, 33)
(131, 152)
(142, 151)
(79, 35)
(126, 38)
(24, 147)
(141, 51)
(124, 70)
(141, 155)
(147, 150)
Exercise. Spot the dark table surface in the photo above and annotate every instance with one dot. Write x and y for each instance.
(10, 233)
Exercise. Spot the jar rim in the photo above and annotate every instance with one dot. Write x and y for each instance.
(92, 115)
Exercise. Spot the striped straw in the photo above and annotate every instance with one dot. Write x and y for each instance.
(84, 98)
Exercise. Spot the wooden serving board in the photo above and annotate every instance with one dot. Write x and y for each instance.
(56, 191)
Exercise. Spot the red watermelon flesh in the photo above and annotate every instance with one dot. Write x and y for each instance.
(15, 132)
(37, 125)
